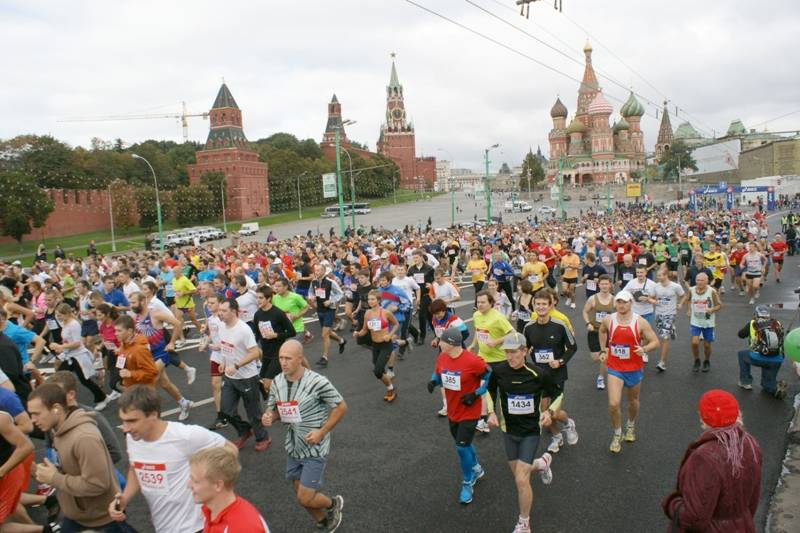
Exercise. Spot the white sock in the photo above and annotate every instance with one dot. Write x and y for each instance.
(390, 387)
(618, 432)
(524, 519)
(631, 423)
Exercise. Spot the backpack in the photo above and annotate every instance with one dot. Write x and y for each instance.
(768, 337)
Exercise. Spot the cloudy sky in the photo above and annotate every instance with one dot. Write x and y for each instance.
(715, 60)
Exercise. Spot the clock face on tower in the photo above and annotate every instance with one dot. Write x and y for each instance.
(397, 113)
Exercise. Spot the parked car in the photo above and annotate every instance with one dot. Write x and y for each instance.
(546, 210)
(582, 197)
(249, 228)
(567, 197)
(595, 196)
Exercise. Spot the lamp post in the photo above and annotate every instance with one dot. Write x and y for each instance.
(111, 215)
(488, 188)
(394, 186)
(561, 187)
(158, 203)
(352, 188)
(299, 203)
(339, 176)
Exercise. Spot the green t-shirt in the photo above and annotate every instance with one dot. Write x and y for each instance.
(672, 250)
(291, 303)
(660, 249)
(492, 325)
(183, 284)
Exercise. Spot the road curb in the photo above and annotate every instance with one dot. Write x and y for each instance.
(784, 508)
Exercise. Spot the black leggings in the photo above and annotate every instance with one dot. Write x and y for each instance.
(463, 432)
(94, 388)
(478, 286)
(505, 286)
(381, 351)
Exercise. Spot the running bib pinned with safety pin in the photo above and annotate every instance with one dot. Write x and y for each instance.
(451, 380)
(289, 412)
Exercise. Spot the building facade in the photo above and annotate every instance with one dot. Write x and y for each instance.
(228, 151)
(589, 149)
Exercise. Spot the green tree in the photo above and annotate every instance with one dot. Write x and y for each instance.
(531, 168)
(23, 205)
(678, 155)
(194, 204)
(146, 206)
(124, 204)
(52, 163)
(213, 182)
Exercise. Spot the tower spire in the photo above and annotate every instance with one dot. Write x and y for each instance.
(665, 134)
(394, 82)
(589, 86)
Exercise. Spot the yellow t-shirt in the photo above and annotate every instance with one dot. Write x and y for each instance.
(480, 266)
(535, 273)
(570, 264)
(555, 313)
(183, 284)
(715, 261)
(492, 325)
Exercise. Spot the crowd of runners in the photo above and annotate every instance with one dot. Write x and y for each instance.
(112, 325)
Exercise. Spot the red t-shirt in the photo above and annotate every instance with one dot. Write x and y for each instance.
(547, 252)
(460, 376)
(238, 516)
(778, 249)
(735, 257)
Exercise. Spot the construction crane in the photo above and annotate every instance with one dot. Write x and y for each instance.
(525, 9)
(182, 116)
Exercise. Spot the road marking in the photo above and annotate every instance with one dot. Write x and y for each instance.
(198, 403)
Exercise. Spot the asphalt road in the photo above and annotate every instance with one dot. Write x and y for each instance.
(396, 466)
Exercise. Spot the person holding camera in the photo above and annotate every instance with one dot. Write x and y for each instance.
(765, 341)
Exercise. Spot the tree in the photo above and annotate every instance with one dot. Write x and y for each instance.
(213, 182)
(531, 168)
(123, 203)
(23, 205)
(146, 206)
(194, 204)
(678, 155)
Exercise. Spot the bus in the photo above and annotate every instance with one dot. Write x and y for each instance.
(360, 208)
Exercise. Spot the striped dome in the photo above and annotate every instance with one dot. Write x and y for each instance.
(600, 106)
(632, 107)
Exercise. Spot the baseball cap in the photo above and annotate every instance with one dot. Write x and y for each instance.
(718, 408)
(385, 255)
(452, 336)
(625, 296)
(514, 341)
(17, 263)
(762, 311)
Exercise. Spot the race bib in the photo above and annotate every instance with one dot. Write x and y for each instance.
(523, 315)
(265, 327)
(482, 335)
(152, 477)
(600, 315)
(52, 324)
(684, 252)
(700, 308)
(542, 355)
(319, 292)
(520, 404)
(120, 361)
(438, 330)
(642, 261)
(591, 285)
(664, 301)
(419, 278)
(289, 412)
(620, 250)
(109, 345)
(621, 351)
(541, 257)
(627, 276)
(451, 380)
(498, 272)
(374, 324)
(227, 349)
(533, 278)
(606, 259)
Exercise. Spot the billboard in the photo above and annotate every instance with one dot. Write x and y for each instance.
(717, 157)
(329, 185)
(633, 190)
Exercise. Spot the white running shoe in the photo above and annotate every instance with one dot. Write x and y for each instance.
(522, 527)
(482, 426)
(556, 443)
(101, 405)
(113, 395)
(442, 411)
(547, 473)
(600, 383)
(645, 358)
(185, 407)
(191, 374)
(571, 432)
(572, 305)
(752, 301)
(180, 343)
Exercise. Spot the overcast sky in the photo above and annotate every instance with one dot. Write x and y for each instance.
(717, 60)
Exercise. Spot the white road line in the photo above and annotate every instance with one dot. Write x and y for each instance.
(198, 403)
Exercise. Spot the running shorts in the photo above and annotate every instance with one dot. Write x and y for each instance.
(629, 379)
(521, 448)
(707, 334)
(309, 471)
(665, 326)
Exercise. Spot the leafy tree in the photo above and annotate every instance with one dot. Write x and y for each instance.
(146, 206)
(23, 205)
(193, 205)
(531, 168)
(678, 155)
(52, 163)
(213, 182)
(123, 203)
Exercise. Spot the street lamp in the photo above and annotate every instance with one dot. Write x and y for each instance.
(488, 187)
(299, 204)
(339, 174)
(158, 203)
(352, 188)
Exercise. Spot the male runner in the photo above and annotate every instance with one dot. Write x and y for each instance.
(326, 293)
(595, 310)
(294, 305)
(273, 328)
(704, 303)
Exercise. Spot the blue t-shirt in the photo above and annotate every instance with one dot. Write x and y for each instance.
(116, 297)
(166, 278)
(10, 402)
(206, 275)
(22, 338)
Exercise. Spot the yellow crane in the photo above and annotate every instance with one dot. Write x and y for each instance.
(182, 116)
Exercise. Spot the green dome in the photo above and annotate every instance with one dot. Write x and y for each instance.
(576, 126)
(632, 107)
(686, 131)
(621, 125)
(736, 128)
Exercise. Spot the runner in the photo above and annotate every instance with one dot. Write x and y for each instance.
(166, 316)
(273, 328)
(464, 377)
(443, 318)
(310, 406)
(643, 290)
(524, 303)
(423, 274)
(551, 345)
(293, 304)
(737, 272)
(595, 310)
(754, 264)
(703, 303)
(621, 336)
(477, 268)
(16, 458)
(529, 398)
(211, 342)
(158, 455)
(133, 359)
(326, 293)
(668, 294)
(184, 301)
(490, 329)
(570, 263)
(778, 248)
(382, 327)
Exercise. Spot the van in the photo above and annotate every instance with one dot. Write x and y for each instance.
(249, 228)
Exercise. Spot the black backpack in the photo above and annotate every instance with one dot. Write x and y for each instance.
(768, 337)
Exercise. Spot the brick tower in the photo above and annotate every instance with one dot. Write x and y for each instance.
(228, 151)
(665, 134)
(397, 139)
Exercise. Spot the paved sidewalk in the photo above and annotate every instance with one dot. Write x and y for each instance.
(784, 509)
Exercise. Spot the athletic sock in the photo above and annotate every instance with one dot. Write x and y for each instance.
(618, 432)
(390, 387)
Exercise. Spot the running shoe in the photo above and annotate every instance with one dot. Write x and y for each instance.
(696, 366)
(758, 294)
(477, 473)
(571, 432)
(556, 443)
(572, 305)
(722, 289)
(600, 383)
(482, 426)
(342, 344)
(780, 392)
(191, 374)
(442, 411)
(308, 337)
(616, 444)
(390, 396)
(409, 344)
(706, 365)
(745, 386)
(661, 367)
(390, 372)
(113, 395)
(219, 423)
(241, 441)
(101, 405)
(262, 445)
(185, 406)
(333, 515)
(323, 362)
(741, 293)
(751, 302)
(630, 433)
(465, 496)
(645, 358)
(522, 527)
(547, 473)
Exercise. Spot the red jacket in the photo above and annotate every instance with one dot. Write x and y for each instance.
(709, 497)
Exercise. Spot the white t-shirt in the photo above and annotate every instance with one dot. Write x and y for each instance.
(157, 305)
(408, 285)
(214, 324)
(667, 298)
(236, 341)
(248, 305)
(162, 468)
(71, 332)
(445, 291)
(129, 288)
(648, 288)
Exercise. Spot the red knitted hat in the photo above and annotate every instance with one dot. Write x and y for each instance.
(718, 408)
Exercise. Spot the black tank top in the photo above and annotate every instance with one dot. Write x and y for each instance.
(53, 325)
(6, 448)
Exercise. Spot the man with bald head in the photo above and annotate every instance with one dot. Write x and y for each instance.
(310, 406)
(704, 303)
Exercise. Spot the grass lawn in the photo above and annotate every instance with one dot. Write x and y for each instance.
(133, 238)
